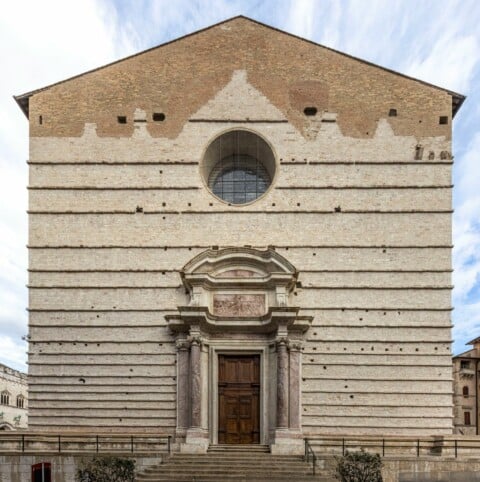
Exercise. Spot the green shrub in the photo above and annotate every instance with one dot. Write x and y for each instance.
(359, 467)
(106, 469)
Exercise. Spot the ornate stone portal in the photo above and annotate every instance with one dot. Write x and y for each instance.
(239, 306)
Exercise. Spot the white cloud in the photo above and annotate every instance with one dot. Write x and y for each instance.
(450, 63)
(466, 226)
(13, 353)
(301, 18)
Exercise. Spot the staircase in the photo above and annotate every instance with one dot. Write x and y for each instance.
(235, 463)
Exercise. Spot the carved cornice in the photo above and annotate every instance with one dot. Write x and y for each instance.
(208, 281)
(276, 317)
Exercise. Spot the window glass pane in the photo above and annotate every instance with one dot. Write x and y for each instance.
(239, 179)
(227, 186)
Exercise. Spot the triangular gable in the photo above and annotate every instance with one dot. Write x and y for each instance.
(23, 99)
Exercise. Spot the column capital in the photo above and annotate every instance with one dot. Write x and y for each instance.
(195, 340)
(294, 345)
(182, 345)
(281, 341)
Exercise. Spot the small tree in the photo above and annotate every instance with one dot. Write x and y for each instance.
(359, 467)
(106, 469)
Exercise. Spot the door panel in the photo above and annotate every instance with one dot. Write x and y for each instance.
(239, 401)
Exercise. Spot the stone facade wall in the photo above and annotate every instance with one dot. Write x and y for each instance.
(117, 210)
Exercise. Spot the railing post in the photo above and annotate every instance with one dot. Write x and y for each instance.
(59, 445)
(96, 444)
(169, 447)
(131, 443)
(456, 448)
(343, 446)
(418, 447)
(383, 447)
(23, 443)
(314, 462)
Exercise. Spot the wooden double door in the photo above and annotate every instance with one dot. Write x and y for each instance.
(239, 399)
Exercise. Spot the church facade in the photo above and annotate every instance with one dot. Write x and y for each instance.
(240, 236)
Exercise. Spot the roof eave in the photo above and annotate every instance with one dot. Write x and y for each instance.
(23, 103)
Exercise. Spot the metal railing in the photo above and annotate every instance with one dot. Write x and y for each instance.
(446, 446)
(310, 454)
(81, 443)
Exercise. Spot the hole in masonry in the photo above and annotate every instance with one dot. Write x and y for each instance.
(122, 119)
(392, 113)
(40, 119)
(158, 116)
(443, 119)
(310, 111)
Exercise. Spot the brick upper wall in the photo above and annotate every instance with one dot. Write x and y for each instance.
(178, 78)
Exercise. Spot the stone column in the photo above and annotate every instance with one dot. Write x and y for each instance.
(282, 384)
(196, 440)
(288, 434)
(195, 383)
(183, 395)
(295, 367)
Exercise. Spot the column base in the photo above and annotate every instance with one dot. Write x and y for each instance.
(287, 442)
(196, 441)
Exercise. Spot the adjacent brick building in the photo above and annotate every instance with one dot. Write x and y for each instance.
(465, 390)
(241, 236)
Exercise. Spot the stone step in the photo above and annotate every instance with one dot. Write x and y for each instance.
(239, 459)
(235, 466)
(234, 478)
(232, 470)
(238, 448)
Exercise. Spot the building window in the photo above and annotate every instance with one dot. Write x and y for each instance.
(20, 401)
(464, 364)
(238, 167)
(465, 391)
(466, 418)
(42, 472)
(5, 398)
(239, 179)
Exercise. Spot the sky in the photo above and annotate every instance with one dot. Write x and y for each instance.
(437, 41)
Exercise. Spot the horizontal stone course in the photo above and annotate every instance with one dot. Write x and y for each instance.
(424, 198)
(311, 256)
(418, 229)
